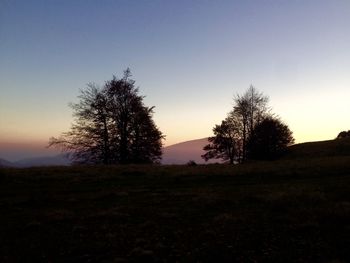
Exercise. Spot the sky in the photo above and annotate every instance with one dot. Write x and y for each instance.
(189, 58)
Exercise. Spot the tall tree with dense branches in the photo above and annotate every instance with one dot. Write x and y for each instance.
(112, 126)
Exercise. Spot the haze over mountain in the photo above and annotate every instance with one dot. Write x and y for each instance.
(183, 152)
(5, 163)
(179, 153)
(14, 151)
(57, 160)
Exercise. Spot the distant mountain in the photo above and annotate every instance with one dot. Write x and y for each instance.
(58, 160)
(183, 152)
(5, 163)
(180, 153)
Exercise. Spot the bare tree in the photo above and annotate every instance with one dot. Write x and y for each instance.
(250, 108)
(88, 138)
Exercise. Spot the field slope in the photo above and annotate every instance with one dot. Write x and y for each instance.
(283, 211)
(338, 147)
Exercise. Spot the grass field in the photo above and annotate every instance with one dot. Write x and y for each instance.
(284, 211)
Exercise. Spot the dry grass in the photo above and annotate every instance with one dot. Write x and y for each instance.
(289, 210)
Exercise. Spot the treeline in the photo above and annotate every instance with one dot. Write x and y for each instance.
(250, 131)
(113, 126)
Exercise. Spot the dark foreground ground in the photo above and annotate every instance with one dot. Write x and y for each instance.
(286, 211)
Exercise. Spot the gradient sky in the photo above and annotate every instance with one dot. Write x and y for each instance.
(188, 57)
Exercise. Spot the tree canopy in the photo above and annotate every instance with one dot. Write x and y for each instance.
(112, 126)
(269, 139)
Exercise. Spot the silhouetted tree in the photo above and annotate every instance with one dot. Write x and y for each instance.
(269, 139)
(230, 138)
(343, 134)
(88, 139)
(250, 108)
(112, 126)
(226, 142)
(249, 131)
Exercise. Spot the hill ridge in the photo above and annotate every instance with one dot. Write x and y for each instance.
(335, 147)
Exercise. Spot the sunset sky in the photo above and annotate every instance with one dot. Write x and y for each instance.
(188, 57)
